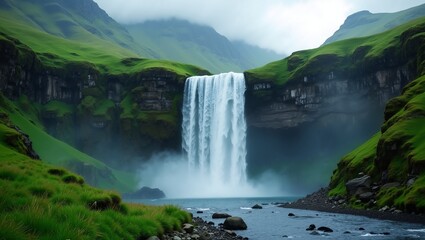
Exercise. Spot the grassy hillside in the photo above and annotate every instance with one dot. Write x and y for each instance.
(24, 115)
(40, 201)
(182, 41)
(80, 20)
(364, 23)
(397, 152)
(345, 57)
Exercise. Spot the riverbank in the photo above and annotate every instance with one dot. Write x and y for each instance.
(319, 201)
(200, 229)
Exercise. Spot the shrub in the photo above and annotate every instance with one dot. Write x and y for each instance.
(71, 178)
(56, 171)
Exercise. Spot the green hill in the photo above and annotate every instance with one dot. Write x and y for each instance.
(364, 23)
(182, 41)
(347, 57)
(394, 155)
(41, 201)
(80, 20)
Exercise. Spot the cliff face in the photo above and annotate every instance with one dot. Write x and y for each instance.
(323, 98)
(127, 114)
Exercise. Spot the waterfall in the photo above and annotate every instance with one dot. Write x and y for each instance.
(214, 129)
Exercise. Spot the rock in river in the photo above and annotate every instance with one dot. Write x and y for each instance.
(234, 223)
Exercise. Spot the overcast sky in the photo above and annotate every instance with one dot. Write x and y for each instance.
(281, 25)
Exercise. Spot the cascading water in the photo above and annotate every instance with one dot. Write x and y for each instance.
(214, 130)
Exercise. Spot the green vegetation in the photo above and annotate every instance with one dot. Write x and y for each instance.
(343, 58)
(399, 150)
(59, 153)
(182, 41)
(39, 201)
(364, 23)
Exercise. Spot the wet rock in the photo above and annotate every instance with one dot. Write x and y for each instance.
(188, 228)
(325, 229)
(256, 206)
(177, 238)
(311, 227)
(347, 232)
(230, 232)
(291, 215)
(211, 223)
(199, 212)
(220, 215)
(361, 229)
(390, 185)
(153, 238)
(384, 209)
(410, 182)
(354, 184)
(234, 223)
(367, 196)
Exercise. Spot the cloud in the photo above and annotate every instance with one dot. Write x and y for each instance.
(281, 25)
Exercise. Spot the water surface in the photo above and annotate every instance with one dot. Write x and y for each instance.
(273, 222)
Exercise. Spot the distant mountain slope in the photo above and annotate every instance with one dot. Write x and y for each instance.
(182, 41)
(78, 20)
(364, 23)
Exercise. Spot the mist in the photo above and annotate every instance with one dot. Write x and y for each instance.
(283, 26)
(169, 171)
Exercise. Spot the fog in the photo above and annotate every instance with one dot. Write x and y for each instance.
(284, 26)
(169, 172)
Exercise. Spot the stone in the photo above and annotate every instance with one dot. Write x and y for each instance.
(234, 223)
(347, 232)
(367, 196)
(211, 223)
(311, 227)
(176, 238)
(410, 182)
(188, 228)
(390, 185)
(384, 209)
(256, 206)
(353, 184)
(153, 238)
(199, 212)
(195, 236)
(361, 229)
(230, 232)
(325, 229)
(220, 215)
(291, 215)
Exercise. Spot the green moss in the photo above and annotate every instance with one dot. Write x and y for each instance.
(399, 151)
(343, 57)
(60, 109)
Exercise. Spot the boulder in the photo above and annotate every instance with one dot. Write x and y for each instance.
(311, 227)
(291, 215)
(234, 223)
(356, 183)
(256, 206)
(220, 215)
(188, 228)
(325, 229)
(367, 196)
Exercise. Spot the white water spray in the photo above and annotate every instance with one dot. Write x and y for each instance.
(214, 130)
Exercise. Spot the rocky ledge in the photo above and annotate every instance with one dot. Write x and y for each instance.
(319, 201)
(201, 230)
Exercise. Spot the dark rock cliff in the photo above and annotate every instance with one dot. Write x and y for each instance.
(108, 116)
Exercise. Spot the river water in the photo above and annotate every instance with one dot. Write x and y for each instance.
(273, 222)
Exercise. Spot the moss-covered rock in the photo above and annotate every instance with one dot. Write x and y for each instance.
(396, 155)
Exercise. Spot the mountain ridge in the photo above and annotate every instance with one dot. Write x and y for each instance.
(365, 23)
(182, 41)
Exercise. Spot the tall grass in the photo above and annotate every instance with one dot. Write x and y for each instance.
(39, 201)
